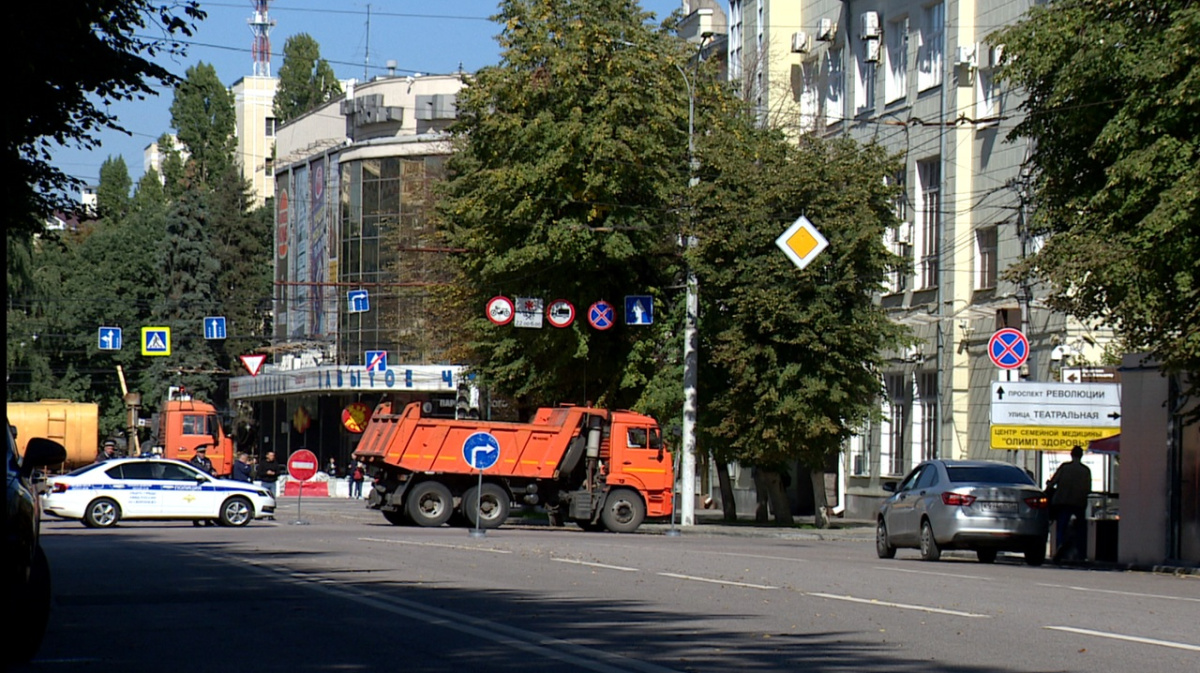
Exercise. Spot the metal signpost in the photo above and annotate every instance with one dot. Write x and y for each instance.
(302, 466)
(481, 450)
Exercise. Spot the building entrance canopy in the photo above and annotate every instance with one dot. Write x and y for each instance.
(274, 382)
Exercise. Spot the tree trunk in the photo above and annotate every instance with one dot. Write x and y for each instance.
(728, 504)
(779, 500)
(761, 495)
(820, 499)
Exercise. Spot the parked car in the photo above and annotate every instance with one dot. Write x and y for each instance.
(981, 505)
(104, 493)
(26, 570)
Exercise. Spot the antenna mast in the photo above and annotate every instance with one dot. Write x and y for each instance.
(261, 25)
(367, 56)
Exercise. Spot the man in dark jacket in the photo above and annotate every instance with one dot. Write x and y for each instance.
(1072, 482)
(201, 462)
(241, 468)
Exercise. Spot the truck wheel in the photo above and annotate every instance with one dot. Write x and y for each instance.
(492, 506)
(623, 511)
(102, 513)
(429, 504)
(236, 511)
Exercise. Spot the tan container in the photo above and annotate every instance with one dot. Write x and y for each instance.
(75, 425)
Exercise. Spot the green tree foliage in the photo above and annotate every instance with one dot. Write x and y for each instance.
(172, 166)
(791, 358)
(204, 116)
(112, 195)
(568, 157)
(305, 79)
(99, 55)
(1113, 108)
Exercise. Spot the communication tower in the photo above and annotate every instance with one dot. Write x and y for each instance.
(261, 25)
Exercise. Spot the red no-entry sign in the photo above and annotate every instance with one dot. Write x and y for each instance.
(302, 465)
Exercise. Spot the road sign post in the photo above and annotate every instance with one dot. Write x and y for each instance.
(481, 450)
(302, 466)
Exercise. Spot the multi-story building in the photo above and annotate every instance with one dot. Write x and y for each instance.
(355, 259)
(918, 78)
(253, 106)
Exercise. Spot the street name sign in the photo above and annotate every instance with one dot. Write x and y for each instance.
(1096, 405)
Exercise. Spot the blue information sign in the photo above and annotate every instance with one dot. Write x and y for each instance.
(358, 301)
(109, 339)
(214, 327)
(639, 310)
(481, 450)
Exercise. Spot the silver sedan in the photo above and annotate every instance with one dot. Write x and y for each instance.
(981, 505)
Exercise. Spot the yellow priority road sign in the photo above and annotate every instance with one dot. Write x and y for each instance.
(1046, 438)
(801, 242)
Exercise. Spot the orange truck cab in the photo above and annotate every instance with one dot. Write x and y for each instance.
(601, 469)
(184, 425)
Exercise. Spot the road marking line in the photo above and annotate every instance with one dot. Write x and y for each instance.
(435, 544)
(757, 556)
(712, 581)
(927, 572)
(1122, 593)
(594, 565)
(1132, 639)
(902, 606)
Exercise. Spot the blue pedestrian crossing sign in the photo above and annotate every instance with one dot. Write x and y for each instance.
(156, 341)
(358, 301)
(214, 327)
(639, 310)
(376, 361)
(481, 450)
(109, 339)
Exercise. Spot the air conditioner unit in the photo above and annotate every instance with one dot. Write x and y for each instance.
(825, 30)
(965, 56)
(801, 43)
(870, 25)
(904, 233)
(873, 50)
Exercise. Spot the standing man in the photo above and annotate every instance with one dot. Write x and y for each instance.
(1072, 482)
(108, 452)
(241, 468)
(269, 471)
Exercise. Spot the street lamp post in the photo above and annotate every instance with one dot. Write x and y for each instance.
(687, 505)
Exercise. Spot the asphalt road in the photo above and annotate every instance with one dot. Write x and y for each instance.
(345, 591)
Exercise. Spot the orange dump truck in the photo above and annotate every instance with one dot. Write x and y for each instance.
(601, 469)
(185, 424)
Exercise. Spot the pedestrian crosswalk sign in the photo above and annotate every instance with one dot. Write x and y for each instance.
(156, 341)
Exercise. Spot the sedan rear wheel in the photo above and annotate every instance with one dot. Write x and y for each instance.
(102, 513)
(883, 546)
(986, 555)
(929, 545)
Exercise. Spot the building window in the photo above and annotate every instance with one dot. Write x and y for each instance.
(927, 389)
(834, 86)
(269, 127)
(736, 26)
(985, 258)
(987, 90)
(891, 454)
(929, 177)
(929, 51)
(900, 239)
(896, 82)
(810, 96)
(864, 78)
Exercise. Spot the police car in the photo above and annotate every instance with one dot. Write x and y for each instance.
(104, 493)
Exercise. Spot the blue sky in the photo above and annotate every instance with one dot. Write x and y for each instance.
(421, 36)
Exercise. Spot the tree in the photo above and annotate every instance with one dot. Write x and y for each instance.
(569, 155)
(98, 57)
(305, 79)
(172, 166)
(204, 116)
(112, 196)
(1113, 109)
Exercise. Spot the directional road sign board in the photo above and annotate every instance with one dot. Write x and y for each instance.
(601, 315)
(500, 310)
(214, 327)
(1092, 405)
(801, 242)
(481, 450)
(109, 339)
(560, 313)
(639, 309)
(376, 361)
(1008, 348)
(156, 341)
(358, 301)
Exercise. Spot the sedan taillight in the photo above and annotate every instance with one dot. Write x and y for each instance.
(1038, 502)
(957, 499)
(58, 487)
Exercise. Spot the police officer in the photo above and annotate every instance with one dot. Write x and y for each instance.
(108, 452)
(201, 462)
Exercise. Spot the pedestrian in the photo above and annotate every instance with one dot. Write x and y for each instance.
(1072, 482)
(357, 475)
(241, 468)
(201, 462)
(269, 471)
(108, 451)
(331, 469)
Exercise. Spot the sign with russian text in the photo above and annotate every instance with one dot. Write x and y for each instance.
(1096, 405)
